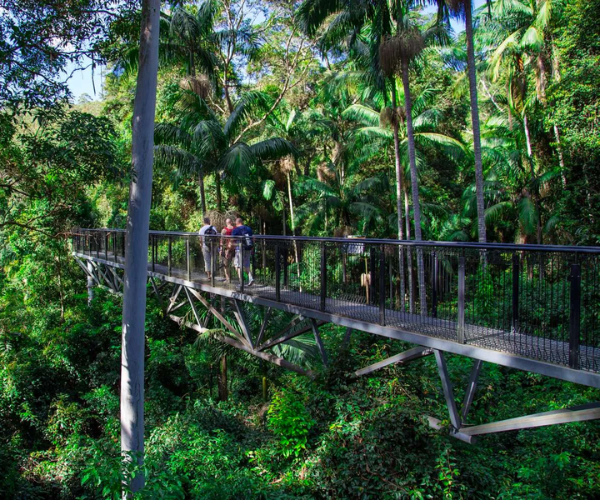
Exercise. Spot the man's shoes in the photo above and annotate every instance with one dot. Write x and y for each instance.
(251, 282)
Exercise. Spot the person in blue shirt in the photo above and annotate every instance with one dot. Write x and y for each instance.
(243, 239)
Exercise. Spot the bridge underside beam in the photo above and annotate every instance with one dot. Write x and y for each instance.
(402, 358)
(568, 415)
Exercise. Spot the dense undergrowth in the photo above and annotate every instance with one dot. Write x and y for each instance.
(334, 437)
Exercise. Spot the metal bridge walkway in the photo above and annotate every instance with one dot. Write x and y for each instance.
(364, 285)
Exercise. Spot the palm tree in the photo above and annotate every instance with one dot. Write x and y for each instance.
(425, 119)
(395, 55)
(464, 9)
(398, 51)
(192, 37)
(516, 34)
(201, 144)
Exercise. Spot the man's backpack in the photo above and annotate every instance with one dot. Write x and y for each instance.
(211, 231)
(247, 240)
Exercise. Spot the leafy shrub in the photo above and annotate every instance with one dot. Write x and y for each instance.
(290, 421)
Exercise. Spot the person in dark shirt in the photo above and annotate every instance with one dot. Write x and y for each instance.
(227, 248)
(243, 239)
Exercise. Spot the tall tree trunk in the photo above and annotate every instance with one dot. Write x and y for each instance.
(411, 277)
(398, 165)
(471, 70)
(202, 193)
(90, 284)
(527, 138)
(222, 382)
(414, 181)
(292, 221)
(136, 241)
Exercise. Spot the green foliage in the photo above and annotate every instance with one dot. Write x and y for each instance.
(290, 422)
(292, 140)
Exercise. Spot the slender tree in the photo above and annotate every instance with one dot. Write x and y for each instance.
(396, 54)
(464, 10)
(136, 247)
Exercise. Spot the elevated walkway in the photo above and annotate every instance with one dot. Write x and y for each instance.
(534, 308)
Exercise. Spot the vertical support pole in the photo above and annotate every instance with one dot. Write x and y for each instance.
(382, 284)
(242, 256)
(277, 274)
(213, 257)
(344, 258)
(169, 256)
(515, 292)
(323, 275)
(106, 246)
(253, 262)
(188, 262)
(286, 258)
(114, 246)
(154, 251)
(461, 300)
(97, 241)
(434, 288)
(372, 274)
(574, 323)
(123, 236)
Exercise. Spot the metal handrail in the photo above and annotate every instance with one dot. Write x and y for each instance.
(511, 247)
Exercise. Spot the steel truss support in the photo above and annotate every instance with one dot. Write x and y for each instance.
(101, 275)
(321, 347)
(238, 340)
(402, 358)
(468, 433)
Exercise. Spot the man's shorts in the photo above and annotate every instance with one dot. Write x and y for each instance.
(238, 258)
(227, 256)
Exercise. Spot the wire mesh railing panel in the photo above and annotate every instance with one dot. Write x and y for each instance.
(542, 303)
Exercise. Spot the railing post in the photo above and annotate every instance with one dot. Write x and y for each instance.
(277, 273)
(106, 246)
(371, 275)
(575, 316)
(286, 257)
(242, 266)
(461, 300)
(434, 288)
(515, 292)
(154, 249)
(187, 258)
(323, 275)
(169, 256)
(253, 261)
(97, 240)
(213, 257)
(114, 246)
(123, 243)
(382, 284)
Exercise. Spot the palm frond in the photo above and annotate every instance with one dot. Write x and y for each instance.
(237, 162)
(363, 114)
(273, 149)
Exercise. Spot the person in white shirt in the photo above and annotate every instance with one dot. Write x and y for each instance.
(206, 231)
